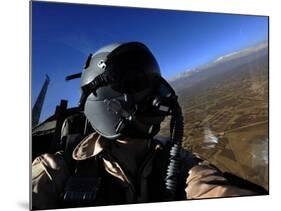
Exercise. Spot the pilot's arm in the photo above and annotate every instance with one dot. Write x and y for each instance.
(205, 181)
(49, 174)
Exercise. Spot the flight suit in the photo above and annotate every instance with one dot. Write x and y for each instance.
(50, 177)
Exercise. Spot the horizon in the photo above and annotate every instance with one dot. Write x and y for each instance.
(179, 40)
(219, 58)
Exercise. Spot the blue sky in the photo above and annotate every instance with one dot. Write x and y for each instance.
(63, 35)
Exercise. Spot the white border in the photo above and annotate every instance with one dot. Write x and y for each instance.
(14, 82)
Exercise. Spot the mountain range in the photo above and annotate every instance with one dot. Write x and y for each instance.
(219, 65)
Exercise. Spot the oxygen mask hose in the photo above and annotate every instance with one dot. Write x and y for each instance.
(171, 180)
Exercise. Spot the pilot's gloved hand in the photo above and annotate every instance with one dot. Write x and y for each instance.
(205, 181)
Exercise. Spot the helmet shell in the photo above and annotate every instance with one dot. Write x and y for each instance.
(133, 67)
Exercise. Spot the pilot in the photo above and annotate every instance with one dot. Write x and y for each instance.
(125, 99)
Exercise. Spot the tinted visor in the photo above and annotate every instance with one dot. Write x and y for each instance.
(133, 68)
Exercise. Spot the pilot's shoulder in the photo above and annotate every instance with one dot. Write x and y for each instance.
(49, 174)
(53, 165)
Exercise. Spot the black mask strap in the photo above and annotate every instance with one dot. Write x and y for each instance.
(101, 80)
